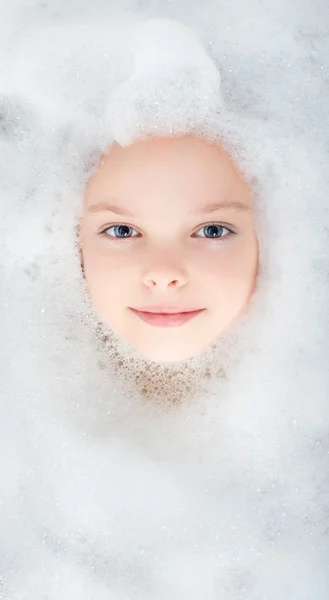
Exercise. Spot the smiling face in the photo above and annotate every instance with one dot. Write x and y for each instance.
(168, 223)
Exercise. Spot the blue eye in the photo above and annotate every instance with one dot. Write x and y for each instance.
(121, 232)
(215, 231)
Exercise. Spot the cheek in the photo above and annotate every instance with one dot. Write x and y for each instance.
(104, 274)
(231, 268)
(97, 261)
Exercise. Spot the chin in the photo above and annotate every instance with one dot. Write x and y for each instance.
(169, 355)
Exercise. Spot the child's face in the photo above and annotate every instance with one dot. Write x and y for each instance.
(165, 244)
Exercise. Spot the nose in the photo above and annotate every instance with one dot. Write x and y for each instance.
(165, 272)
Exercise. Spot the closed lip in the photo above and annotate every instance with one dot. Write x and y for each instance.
(170, 310)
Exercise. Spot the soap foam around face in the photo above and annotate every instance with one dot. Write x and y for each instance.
(219, 467)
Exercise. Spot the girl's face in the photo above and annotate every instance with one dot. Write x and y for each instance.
(167, 225)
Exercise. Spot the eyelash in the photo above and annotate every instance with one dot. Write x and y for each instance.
(231, 232)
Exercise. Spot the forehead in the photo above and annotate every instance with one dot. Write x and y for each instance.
(188, 164)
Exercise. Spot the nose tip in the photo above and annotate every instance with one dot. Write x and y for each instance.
(164, 278)
(165, 269)
(163, 282)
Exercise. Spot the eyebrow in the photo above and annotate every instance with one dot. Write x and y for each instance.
(209, 208)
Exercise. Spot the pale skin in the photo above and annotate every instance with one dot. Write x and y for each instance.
(169, 221)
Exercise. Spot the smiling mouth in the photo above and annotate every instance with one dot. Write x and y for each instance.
(166, 309)
(166, 319)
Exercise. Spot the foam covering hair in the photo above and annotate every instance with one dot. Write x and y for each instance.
(121, 478)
